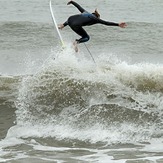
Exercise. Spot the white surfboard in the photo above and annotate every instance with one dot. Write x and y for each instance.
(55, 25)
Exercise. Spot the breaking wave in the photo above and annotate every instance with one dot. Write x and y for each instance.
(72, 98)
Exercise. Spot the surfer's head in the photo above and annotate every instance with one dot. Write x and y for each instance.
(96, 13)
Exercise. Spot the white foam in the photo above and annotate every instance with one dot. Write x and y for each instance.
(116, 77)
(156, 145)
(12, 141)
(93, 134)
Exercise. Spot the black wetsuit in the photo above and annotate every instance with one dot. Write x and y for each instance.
(76, 22)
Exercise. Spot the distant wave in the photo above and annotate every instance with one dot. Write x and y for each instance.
(24, 34)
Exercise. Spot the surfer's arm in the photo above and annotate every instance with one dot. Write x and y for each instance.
(77, 6)
(61, 26)
(122, 25)
(100, 21)
(65, 23)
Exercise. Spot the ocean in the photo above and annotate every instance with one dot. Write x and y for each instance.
(103, 104)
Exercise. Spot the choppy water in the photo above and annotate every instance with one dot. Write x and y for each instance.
(69, 109)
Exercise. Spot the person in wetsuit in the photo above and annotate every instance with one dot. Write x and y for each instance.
(76, 22)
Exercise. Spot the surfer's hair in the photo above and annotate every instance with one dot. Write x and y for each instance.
(96, 13)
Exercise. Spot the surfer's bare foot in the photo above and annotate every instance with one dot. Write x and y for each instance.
(75, 46)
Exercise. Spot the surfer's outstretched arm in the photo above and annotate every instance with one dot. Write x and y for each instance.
(122, 25)
(100, 21)
(77, 6)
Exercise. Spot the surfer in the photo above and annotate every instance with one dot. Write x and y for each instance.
(76, 23)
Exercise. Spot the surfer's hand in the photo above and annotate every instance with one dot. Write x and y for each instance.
(69, 2)
(61, 26)
(122, 25)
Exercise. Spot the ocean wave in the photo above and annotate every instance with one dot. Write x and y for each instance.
(77, 95)
(25, 35)
(9, 88)
(80, 95)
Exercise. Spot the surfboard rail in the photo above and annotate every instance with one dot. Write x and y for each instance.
(55, 24)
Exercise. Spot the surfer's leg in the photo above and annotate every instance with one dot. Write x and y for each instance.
(83, 39)
(81, 32)
(75, 46)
